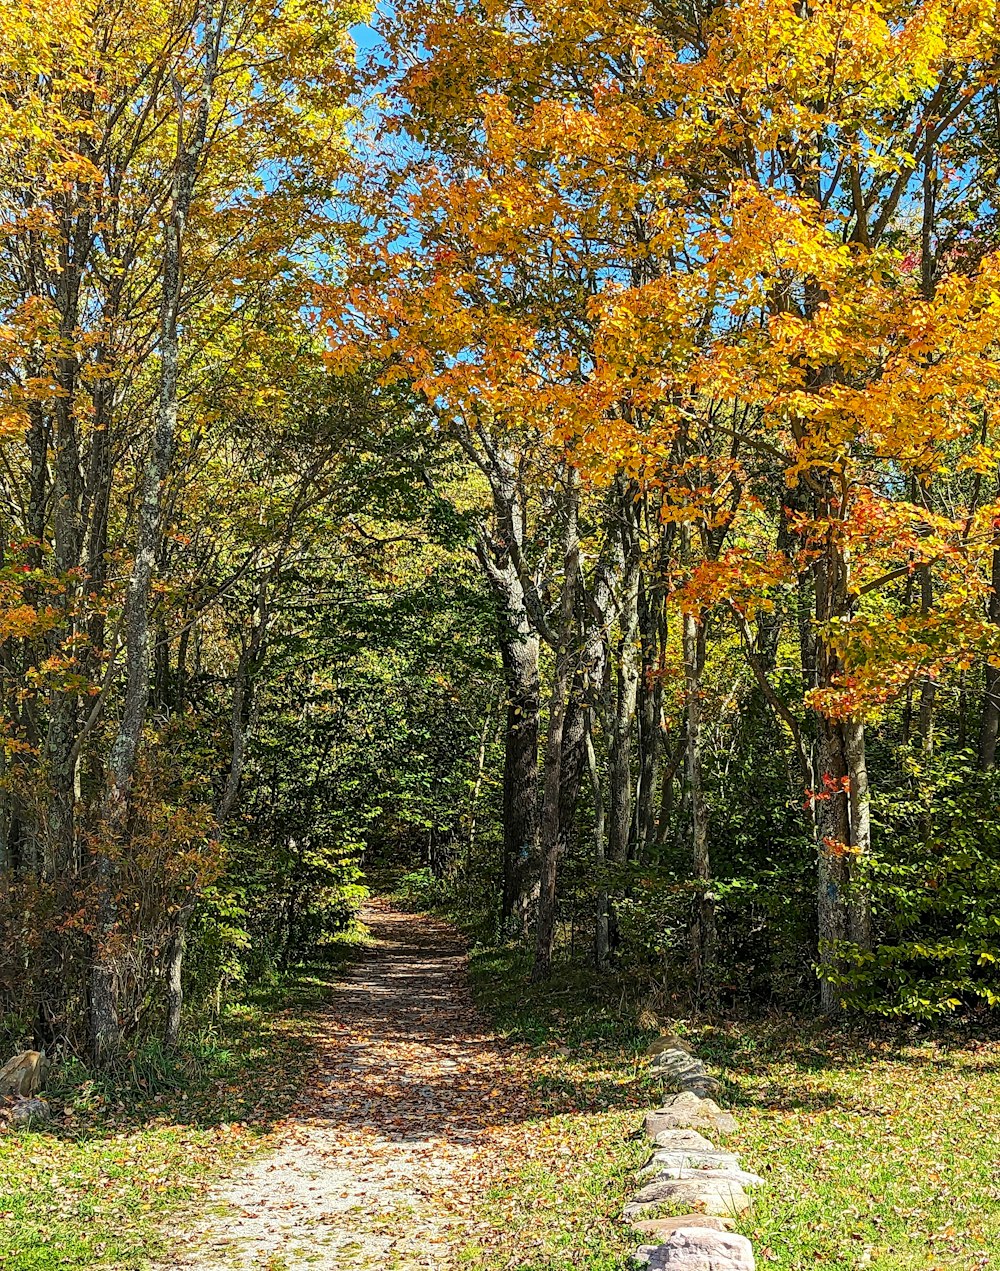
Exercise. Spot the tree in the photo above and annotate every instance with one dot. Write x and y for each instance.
(628, 232)
(185, 153)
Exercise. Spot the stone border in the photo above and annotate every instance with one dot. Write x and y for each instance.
(686, 1167)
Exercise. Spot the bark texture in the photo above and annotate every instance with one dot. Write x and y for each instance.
(105, 1027)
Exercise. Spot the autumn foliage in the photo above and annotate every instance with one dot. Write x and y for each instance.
(558, 451)
(162, 172)
(735, 263)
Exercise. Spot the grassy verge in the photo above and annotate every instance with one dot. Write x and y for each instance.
(878, 1149)
(559, 1205)
(96, 1189)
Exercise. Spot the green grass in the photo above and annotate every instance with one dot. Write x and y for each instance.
(878, 1151)
(123, 1158)
(878, 1147)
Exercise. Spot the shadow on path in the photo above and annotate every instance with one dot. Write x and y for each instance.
(388, 1139)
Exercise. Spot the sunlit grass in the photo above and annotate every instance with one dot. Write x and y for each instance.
(103, 1186)
(878, 1149)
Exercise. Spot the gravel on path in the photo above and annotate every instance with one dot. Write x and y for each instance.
(392, 1137)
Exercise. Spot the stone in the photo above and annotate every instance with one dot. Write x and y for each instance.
(711, 1196)
(669, 1041)
(680, 1071)
(734, 1174)
(30, 1113)
(24, 1075)
(659, 1228)
(684, 1140)
(676, 1062)
(692, 1160)
(687, 1110)
(698, 1249)
(704, 1087)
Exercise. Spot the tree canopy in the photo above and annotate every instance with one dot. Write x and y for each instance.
(552, 455)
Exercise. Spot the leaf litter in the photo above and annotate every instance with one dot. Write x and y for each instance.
(415, 1108)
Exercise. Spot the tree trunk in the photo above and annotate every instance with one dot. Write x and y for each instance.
(626, 688)
(844, 908)
(243, 717)
(558, 702)
(843, 817)
(703, 931)
(574, 761)
(499, 553)
(550, 829)
(649, 714)
(105, 1027)
(602, 944)
(859, 921)
(990, 719)
(928, 685)
(60, 844)
(474, 792)
(519, 650)
(37, 440)
(175, 985)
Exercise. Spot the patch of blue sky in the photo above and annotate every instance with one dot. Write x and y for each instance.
(367, 36)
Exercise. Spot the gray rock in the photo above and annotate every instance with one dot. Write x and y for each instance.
(659, 1229)
(669, 1041)
(23, 1075)
(30, 1113)
(676, 1062)
(687, 1110)
(697, 1249)
(691, 1160)
(680, 1140)
(680, 1071)
(735, 1175)
(704, 1087)
(643, 1254)
(712, 1196)
(670, 1056)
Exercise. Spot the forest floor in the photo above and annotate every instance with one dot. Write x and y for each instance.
(877, 1141)
(102, 1185)
(377, 1117)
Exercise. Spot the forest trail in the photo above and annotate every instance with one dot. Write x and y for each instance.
(393, 1135)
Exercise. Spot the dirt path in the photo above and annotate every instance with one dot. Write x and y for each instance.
(394, 1135)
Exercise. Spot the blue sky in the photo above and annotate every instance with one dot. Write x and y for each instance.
(365, 36)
